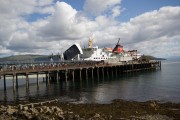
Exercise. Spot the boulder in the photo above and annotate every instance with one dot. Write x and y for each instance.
(10, 111)
(25, 108)
(61, 117)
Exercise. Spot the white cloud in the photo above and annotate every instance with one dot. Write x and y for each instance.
(158, 28)
(66, 23)
(97, 7)
(155, 32)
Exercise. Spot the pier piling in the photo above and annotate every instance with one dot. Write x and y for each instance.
(37, 80)
(4, 82)
(81, 71)
(16, 81)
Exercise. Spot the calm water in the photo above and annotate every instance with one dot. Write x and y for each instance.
(162, 85)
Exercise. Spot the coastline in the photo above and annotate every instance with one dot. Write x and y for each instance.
(118, 109)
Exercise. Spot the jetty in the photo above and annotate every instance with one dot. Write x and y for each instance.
(64, 71)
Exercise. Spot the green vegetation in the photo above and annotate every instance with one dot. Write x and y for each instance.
(27, 58)
(149, 57)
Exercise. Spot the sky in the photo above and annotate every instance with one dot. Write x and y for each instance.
(50, 26)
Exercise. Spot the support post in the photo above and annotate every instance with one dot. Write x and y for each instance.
(73, 75)
(57, 76)
(116, 70)
(132, 67)
(48, 79)
(66, 75)
(16, 81)
(112, 71)
(27, 81)
(14, 85)
(86, 74)
(92, 73)
(4, 82)
(80, 76)
(103, 72)
(97, 72)
(107, 70)
(37, 80)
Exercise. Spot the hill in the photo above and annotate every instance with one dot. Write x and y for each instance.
(149, 57)
(25, 58)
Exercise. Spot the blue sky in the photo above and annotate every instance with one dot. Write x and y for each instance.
(132, 8)
(50, 26)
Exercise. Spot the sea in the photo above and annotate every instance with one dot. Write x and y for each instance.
(160, 85)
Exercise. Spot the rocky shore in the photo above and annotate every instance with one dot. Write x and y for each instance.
(117, 110)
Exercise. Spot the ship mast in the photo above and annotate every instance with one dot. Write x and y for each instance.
(118, 41)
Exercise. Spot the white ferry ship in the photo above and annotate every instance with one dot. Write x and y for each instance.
(93, 53)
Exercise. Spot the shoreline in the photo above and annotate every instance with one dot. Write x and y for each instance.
(118, 109)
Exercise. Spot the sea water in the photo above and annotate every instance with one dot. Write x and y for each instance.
(161, 85)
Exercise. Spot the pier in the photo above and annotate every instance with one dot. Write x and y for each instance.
(64, 71)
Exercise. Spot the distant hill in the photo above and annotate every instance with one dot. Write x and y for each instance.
(25, 58)
(149, 57)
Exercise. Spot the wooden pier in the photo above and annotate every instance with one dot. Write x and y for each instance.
(84, 70)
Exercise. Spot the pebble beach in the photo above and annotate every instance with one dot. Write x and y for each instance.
(117, 110)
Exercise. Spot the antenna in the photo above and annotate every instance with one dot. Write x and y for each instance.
(118, 41)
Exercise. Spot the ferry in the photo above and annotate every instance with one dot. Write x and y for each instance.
(93, 53)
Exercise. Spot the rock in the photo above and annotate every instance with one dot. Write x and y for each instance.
(2, 108)
(25, 108)
(32, 105)
(44, 118)
(76, 117)
(45, 109)
(10, 111)
(56, 109)
(33, 111)
(48, 112)
(27, 114)
(96, 115)
(20, 106)
(60, 117)
(153, 104)
(110, 116)
(40, 109)
(70, 112)
(8, 107)
(41, 103)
